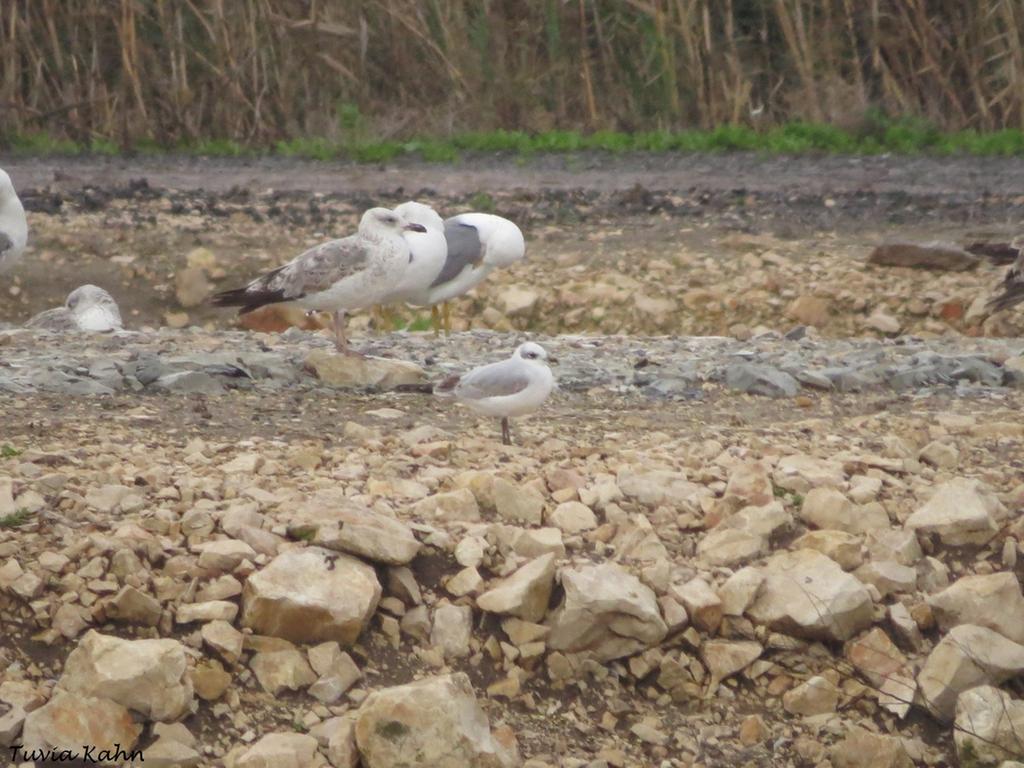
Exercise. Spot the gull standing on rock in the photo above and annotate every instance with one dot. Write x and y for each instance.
(13, 226)
(1012, 292)
(429, 250)
(514, 387)
(88, 308)
(477, 243)
(338, 276)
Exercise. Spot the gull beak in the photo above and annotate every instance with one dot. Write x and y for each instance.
(415, 228)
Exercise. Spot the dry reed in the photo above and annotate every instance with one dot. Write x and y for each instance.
(257, 71)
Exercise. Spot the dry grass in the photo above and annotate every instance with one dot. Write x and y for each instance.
(257, 71)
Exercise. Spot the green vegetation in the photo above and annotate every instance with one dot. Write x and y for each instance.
(8, 451)
(876, 136)
(15, 519)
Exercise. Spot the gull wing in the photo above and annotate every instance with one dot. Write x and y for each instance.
(314, 271)
(464, 250)
(494, 380)
(1012, 289)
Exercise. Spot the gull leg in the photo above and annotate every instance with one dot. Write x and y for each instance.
(340, 340)
(435, 319)
(506, 434)
(446, 310)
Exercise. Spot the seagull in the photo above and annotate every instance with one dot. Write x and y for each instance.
(337, 276)
(514, 387)
(429, 251)
(478, 243)
(13, 226)
(1013, 284)
(88, 308)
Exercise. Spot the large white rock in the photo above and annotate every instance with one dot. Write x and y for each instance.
(800, 473)
(147, 676)
(828, 509)
(989, 727)
(280, 750)
(968, 656)
(338, 523)
(808, 595)
(659, 488)
(452, 630)
(992, 600)
(865, 749)
(432, 723)
(525, 593)
(310, 595)
(606, 611)
(960, 512)
(69, 721)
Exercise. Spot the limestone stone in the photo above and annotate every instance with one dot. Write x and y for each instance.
(724, 658)
(607, 611)
(739, 590)
(865, 749)
(359, 372)
(131, 606)
(829, 509)
(280, 670)
(658, 488)
(432, 723)
(367, 534)
(991, 600)
(311, 595)
(458, 505)
(702, 604)
(844, 548)
(960, 512)
(147, 676)
(573, 517)
(989, 724)
(69, 720)
(816, 696)
(224, 639)
(800, 473)
(452, 629)
(888, 577)
(525, 593)
(280, 750)
(518, 504)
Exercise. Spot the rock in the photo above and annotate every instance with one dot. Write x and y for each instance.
(69, 721)
(224, 555)
(280, 670)
(863, 749)
(816, 696)
(904, 626)
(898, 545)
(516, 300)
(191, 286)
(452, 630)
(989, 725)
(960, 512)
(809, 310)
(888, 577)
(573, 517)
(753, 730)
(844, 548)
(280, 750)
(466, 582)
(724, 658)
(756, 379)
(941, 455)
(607, 611)
(702, 604)
(881, 321)
(168, 753)
(876, 657)
(224, 639)
(133, 607)
(658, 488)
(800, 473)
(993, 601)
(211, 610)
(525, 593)
(731, 547)
(808, 595)
(147, 676)
(367, 534)
(459, 505)
(210, 679)
(310, 595)
(739, 590)
(432, 723)
(338, 672)
(750, 484)
(939, 256)
(11, 724)
(518, 504)
(357, 372)
(469, 552)
(966, 657)
(829, 509)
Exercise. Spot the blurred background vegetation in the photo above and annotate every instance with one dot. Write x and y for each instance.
(374, 78)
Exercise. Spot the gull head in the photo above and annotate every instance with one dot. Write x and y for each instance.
(381, 220)
(94, 309)
(418, 213)
(532, 353)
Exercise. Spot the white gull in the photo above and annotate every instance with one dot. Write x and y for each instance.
(88, 308)
(13, 225)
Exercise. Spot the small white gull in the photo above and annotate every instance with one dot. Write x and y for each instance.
(513, 387)
(338, 276)
(13, 226)
(88, 308)
(477, 244)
